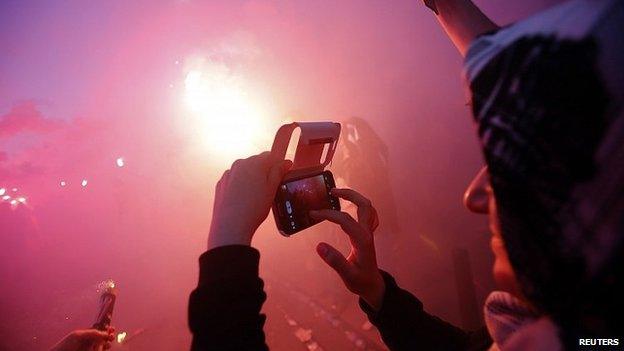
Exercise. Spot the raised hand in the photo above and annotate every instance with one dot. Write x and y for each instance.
(359, 269)
(243, 198)
(86, 340)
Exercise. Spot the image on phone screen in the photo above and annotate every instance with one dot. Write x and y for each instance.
(296, 198)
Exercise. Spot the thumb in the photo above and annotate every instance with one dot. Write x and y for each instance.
(335, 259)
(277, 172)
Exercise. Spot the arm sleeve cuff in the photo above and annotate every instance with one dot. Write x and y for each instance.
(233, 263)
(393, 302)
(404, 324)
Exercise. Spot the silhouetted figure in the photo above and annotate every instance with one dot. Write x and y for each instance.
(362, 159)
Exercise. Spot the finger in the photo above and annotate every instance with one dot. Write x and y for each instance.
(353, 196)
(335, 259)
(277, 173)
(375, 221)
(371, 218)
(263, 158)
(224, 178)
(236, 164)
(222, 183)
(367, 215)
(346, 222)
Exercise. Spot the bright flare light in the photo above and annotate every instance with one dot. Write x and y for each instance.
(2, 191)
(227, 119)
(120, 162)
(63, 183)
(6, 197)
(121, 337)
(84, 182)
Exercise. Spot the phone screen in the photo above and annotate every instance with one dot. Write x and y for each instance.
(297, 197)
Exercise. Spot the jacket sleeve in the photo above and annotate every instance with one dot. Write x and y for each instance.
(224, 309)
(404, 324)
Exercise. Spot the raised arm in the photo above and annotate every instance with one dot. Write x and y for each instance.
(462, 21)
(397, 314)
(224, 309)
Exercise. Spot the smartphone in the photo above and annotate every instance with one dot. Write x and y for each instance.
(296, 197)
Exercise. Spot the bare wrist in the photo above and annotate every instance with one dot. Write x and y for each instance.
(374, 297)
(218, 238)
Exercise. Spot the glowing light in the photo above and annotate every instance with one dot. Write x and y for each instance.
(105, 285)
(120, 162)
(21, 200)
(84, 182)
(121, 337)
(14, 190)
(63, 183)
(226, 118)
(2, 191)
(6, 197)
(13, 202)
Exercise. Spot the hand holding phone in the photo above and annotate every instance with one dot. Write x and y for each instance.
(307, 185)
(359, 269)
(243, 198)
(297, 197)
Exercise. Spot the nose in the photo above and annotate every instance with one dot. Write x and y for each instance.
(477, 195)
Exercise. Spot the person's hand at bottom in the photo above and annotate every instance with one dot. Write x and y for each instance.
(359, 269)
(86, 340)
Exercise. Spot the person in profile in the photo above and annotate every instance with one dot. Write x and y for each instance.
(548, 101)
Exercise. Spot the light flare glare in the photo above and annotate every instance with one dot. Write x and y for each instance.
(121, 337)
(227, 119)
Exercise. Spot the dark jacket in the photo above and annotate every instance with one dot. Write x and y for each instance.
(224, 310)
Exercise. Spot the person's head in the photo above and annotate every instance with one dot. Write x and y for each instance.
(552, 140)
(479, 198)
(596, 315)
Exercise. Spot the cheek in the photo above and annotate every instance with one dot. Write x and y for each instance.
(505, 278)
(502, 271)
